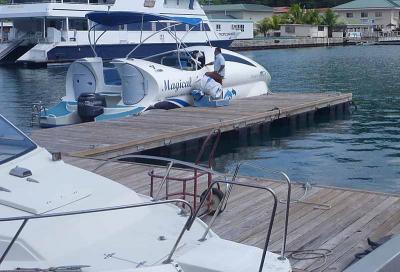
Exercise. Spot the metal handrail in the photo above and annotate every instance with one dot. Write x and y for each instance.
(273, 213)
(224, 202)
(217, 182)
(25, 220)
(288, 197)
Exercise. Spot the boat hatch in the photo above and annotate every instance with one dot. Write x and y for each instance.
(133, 84)
(21, 198)
(83, 80)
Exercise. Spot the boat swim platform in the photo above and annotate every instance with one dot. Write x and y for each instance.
(159, 128)
(343, 225)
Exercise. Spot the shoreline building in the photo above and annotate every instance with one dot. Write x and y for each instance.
(252, 12)
(237, 18)
(368, 16)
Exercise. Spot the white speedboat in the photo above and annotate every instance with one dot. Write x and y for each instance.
(57, 31)
(56, 217)
(162, 81)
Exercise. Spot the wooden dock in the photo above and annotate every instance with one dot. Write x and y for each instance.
(162, 128)
(343, 229)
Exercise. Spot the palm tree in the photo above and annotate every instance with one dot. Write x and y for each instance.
(312, 17)
(330, 19)
(275, 22)
(264, 26)
(295, 14)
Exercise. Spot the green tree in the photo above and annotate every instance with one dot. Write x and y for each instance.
(275, 22)
(295, 14)
(330, 19)
(264, 26)
(312, 17)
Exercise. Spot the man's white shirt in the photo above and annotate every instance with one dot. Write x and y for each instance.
(218, 62)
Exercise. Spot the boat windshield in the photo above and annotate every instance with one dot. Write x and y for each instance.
(184, 59)
(13, 143)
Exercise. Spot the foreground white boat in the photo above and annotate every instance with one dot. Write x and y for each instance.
(162, 81)
(54, 216)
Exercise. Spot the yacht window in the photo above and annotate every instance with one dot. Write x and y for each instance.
(12, 142)
(147, 26)
(233, 58)
(195, 28)
(108, 28)
(206, 27)
(180, 27)
(149, 3)
(161, 25)
(78, 24)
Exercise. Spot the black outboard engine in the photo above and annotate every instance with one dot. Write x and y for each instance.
(90, 105)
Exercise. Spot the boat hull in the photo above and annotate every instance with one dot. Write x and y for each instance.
(66, 53)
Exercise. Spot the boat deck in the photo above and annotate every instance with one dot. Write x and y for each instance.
(160, 128)
(343, 227)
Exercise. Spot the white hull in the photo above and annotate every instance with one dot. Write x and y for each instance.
(153, 82)
(138, 239)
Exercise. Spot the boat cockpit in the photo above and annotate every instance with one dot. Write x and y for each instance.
(189, 60)
(13, 143)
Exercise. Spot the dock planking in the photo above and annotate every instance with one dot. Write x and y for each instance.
(162, 128)
(353, 217)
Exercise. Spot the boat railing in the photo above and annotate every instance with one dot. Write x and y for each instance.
(287, 201)
(26, 219)
(229, 185)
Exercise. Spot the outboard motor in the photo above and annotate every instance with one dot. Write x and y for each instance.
(90, 105)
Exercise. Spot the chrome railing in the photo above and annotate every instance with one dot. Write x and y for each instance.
(25, 220)
(229, 184)
(287, 201)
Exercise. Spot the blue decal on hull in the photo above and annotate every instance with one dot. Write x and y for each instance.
(179, 101)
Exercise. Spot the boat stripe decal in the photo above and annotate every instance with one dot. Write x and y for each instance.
(179, 101)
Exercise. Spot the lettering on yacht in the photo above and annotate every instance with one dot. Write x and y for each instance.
(177, 85)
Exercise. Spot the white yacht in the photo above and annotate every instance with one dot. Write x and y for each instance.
(162, 81)
(56, 217)
(56, 31)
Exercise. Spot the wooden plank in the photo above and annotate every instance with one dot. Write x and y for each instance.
(354, 216)
(166, 127)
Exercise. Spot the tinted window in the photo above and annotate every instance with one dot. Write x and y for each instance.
(138, 26)
(108, 28)
(12, 142)
(180, 27)
(206, 27)
(237, 59)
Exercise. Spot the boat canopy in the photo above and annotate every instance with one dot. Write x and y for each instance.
(115, 18)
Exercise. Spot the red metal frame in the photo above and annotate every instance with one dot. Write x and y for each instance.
(216, 135)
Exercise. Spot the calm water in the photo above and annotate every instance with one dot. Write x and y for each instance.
(360, 152)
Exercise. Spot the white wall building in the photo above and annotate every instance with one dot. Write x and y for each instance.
(250, 12)
(233, 28)
(366, 16)
(304, 31)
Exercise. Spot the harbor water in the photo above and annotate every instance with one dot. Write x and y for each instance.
(361, 152)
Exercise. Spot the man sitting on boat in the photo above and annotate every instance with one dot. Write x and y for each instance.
(219, 66)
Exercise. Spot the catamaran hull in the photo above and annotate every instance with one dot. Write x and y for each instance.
(67, 54)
